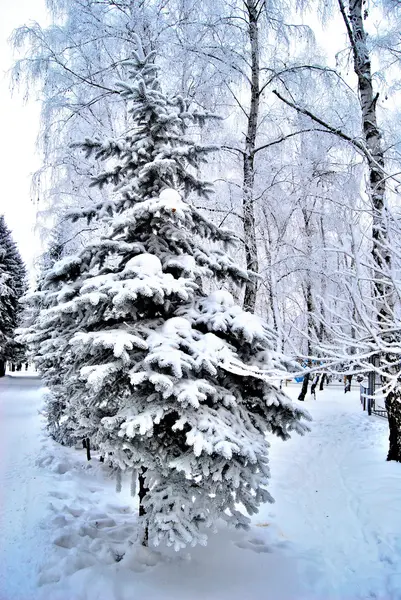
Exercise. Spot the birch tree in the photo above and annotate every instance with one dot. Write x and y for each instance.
(370, 147)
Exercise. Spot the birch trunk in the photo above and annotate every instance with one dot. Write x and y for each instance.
(248, 201)
(143, 490)
(308, 293)
(271, 291)
(323, 282)
(373, 141)
(377, 187)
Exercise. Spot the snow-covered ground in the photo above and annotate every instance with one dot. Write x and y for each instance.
(334, 532)
(23, 492)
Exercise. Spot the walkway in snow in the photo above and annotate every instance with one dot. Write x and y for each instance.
(23, 496)
(340, 501)
(333, 534)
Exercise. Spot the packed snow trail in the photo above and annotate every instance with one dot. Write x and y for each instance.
(23, 494)
(339, 499)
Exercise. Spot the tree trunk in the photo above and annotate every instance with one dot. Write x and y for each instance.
(269, 277)
(383, 289)
(304, 388)
(87, 445)
(143, 490)
(308, 286)
(323, 379)
(2, 368)
(393, 406)
(314, 385)
(248, 201)
(373, 140)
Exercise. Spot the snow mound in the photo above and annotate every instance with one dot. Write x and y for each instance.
(185, 262)
(220, 313)
(64, 265)
(170, 197)
(222, 298)
(176, 326)
(147, 263)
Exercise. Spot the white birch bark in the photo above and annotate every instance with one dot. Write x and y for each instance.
(248, 201)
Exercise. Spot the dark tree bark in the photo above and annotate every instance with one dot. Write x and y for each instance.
(2, 368)
(86, 444)
(143, 490)
(393, 404)
(304, 388)
(322, 381)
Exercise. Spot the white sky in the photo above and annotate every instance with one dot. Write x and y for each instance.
(18, 131)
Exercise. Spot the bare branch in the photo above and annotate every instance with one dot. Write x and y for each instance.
(334, 130)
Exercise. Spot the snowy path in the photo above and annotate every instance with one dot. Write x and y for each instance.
(23, 497)
(339, 500)
(333, 534)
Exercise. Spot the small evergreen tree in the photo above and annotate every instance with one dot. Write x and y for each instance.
(170, 380)
(12, 287)
(49, 350)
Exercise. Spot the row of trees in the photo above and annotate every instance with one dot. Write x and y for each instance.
(12, 288)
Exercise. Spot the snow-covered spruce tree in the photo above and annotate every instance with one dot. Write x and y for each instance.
(163, 377)
(49, 350)
(12, 287)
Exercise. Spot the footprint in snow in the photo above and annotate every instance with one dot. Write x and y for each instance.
(67, 541)
(60, 468)
(44, 461)
(59, 521)
(125, 509)
(59, 495)
(75, 512)
(254, 544)
(102, 523)
(140, 559)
